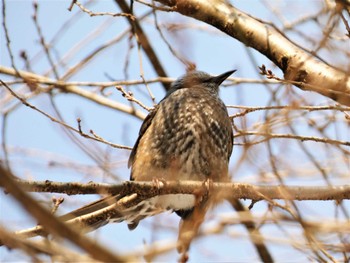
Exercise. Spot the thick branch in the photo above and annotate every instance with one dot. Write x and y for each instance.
(229, 190)
(296, 64)
(143, 190)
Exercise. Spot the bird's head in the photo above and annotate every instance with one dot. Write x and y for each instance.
(199, 78)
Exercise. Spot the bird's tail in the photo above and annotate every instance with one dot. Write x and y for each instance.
(115, 209)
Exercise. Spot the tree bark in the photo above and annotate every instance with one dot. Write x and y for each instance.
(299, 66)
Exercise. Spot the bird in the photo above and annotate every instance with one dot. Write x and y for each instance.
(187, 136)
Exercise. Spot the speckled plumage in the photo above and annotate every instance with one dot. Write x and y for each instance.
(188, 135)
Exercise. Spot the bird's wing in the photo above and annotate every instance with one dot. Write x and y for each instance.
(146, 123)
(232, 139)
(117, 208)
(92, 207)
(92, 222)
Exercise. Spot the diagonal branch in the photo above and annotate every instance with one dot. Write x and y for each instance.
(52, 224)
(296, 63)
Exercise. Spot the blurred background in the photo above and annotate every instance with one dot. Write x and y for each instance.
(94, 52)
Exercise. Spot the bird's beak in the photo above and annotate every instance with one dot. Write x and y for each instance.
(219, 79)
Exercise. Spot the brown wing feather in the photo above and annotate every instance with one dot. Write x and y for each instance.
(232, 140)
(146, 123)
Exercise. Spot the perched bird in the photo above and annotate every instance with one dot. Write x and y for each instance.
(187, 136)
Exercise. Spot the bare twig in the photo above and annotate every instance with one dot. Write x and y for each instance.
(292, 136)
(43, 43)
(84, 9)
(26, 103)
(7, 36)
(144, 42)
(130, 97)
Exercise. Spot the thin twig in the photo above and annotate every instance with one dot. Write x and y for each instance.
(84, 9)
(130, 97)
(291, 136)
(26, 103)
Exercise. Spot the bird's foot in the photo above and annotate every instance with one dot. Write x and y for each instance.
(208, 184)
(158, 183)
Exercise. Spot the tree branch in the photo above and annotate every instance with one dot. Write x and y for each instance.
(229, 190)
(33, 248)
(144, 42)
(296, 63)
(34, 78)
(143, 190)
(51, 223)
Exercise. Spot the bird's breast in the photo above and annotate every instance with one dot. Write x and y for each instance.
(187, 139)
